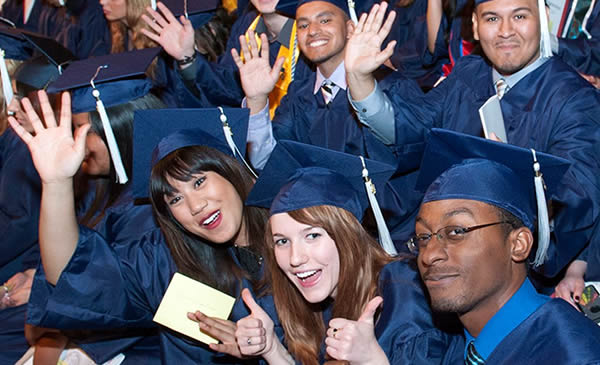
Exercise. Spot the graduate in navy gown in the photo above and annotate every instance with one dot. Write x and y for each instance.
(110, 211)
(574, 33)
(216, 84)
(484, 203)
(124, 283)
(545, 105)
(321, 116)
(338, 294)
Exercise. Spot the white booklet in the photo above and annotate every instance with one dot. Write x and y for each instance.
(188, 295)
(492, 120)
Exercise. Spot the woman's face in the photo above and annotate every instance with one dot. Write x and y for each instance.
(307, 256)
(114, 9)
(265, 6)
(97, 158)
(208, 206)
(15, 109)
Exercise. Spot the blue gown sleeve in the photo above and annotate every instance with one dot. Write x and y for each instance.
(583, 53)
(104, 286)
(405, 328)
(20, 192)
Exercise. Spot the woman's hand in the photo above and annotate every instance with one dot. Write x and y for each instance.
(255, 334)
(55, 153)
(257, 76)
(176, 37)
(572, 285)
(354, 341)
(221, 329)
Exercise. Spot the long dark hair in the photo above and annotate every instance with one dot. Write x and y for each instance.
(198, 259)
(361, 260)
(107, 190)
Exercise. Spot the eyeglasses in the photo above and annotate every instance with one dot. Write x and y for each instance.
(446, 235)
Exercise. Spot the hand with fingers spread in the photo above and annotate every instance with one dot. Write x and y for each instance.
(56, 153)
(175, 36)
(220, 329)
(354, 341)
(257, 76)
(256, 336)
(363, 50)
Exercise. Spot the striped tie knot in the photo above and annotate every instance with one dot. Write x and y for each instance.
(501, 88)
(473, 357)
(327, 90)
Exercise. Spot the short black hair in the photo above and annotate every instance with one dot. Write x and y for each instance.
(512, 221)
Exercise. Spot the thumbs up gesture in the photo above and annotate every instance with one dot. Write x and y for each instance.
(255, 334)
(354, 341)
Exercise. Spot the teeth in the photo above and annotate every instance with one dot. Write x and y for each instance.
(304, 275)
(212, 218)
(317, 43)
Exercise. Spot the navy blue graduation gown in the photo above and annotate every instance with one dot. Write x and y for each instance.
(552, 110)
(406, 329)
(83, 30)
(20, 192)
(304, 117)
(410, 31)
(105, 287)
(554, 334)
(219, 83)
(583, 53)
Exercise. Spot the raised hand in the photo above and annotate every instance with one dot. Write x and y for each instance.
(221, 329)
(257, 76)
(355, 341)
(175, 36)
(363, 53)
(255, 334)
(55, 153)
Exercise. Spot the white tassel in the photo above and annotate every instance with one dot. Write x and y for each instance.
(385, 239)
(110, 138)
(352, 11)
(6, 84)
(153, 4)
(545, 45)
(542, 213)
(229, 138)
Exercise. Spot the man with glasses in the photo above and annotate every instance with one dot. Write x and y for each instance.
(474, 234)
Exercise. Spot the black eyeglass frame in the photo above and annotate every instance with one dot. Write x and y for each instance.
(414, 244)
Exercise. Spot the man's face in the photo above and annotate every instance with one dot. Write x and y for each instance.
(467, 275)
(509, 33)
(322, 32)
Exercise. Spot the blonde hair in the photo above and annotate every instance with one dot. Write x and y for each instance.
(134, 23)
(11, 66)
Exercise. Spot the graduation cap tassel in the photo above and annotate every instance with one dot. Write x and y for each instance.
(229, 138)
(542, 213)
(352, 11)
(385, 239)
(6, 84)
(113, 148)
(545, 45)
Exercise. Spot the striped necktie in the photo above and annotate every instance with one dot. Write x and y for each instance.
(473, 358)
(501, 88)
(327, 90)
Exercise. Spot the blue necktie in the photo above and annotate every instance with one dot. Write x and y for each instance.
(473, 358)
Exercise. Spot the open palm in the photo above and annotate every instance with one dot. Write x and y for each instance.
(56, 154)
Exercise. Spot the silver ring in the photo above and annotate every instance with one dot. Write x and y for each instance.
(11, 113)
(249, 341)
